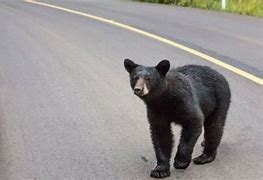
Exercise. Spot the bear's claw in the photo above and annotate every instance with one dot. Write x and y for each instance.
(160, 171)
(180, 165)
(204, 158)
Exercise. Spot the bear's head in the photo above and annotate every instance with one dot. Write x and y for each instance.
(147, 80)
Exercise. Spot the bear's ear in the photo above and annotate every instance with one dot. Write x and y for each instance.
(163, 67)
(129, 65)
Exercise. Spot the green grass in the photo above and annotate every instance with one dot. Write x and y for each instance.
(245, 7)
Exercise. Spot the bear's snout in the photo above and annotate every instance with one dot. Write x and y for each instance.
(141, 88)
(138, 90)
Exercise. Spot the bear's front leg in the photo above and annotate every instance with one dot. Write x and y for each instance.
(162, 139)
(189, 136)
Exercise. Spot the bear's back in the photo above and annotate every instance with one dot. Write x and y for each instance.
(206, 83)
(200, 75)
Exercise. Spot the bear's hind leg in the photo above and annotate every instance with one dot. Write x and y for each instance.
(214, 123)
(213, 126)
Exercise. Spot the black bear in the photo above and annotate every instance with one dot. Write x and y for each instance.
(191, 96)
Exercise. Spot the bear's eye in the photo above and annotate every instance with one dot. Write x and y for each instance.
(147, 78)
(136, 78)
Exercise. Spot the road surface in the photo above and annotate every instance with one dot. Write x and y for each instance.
(66, 108)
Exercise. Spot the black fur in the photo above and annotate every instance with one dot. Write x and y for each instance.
(191, 96)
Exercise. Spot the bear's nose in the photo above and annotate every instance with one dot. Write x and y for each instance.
(137, 90)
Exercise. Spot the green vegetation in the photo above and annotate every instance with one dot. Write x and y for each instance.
(246, 7)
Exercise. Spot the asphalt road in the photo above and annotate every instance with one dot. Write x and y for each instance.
(66, 108)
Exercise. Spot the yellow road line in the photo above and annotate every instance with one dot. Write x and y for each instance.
(206, 57)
